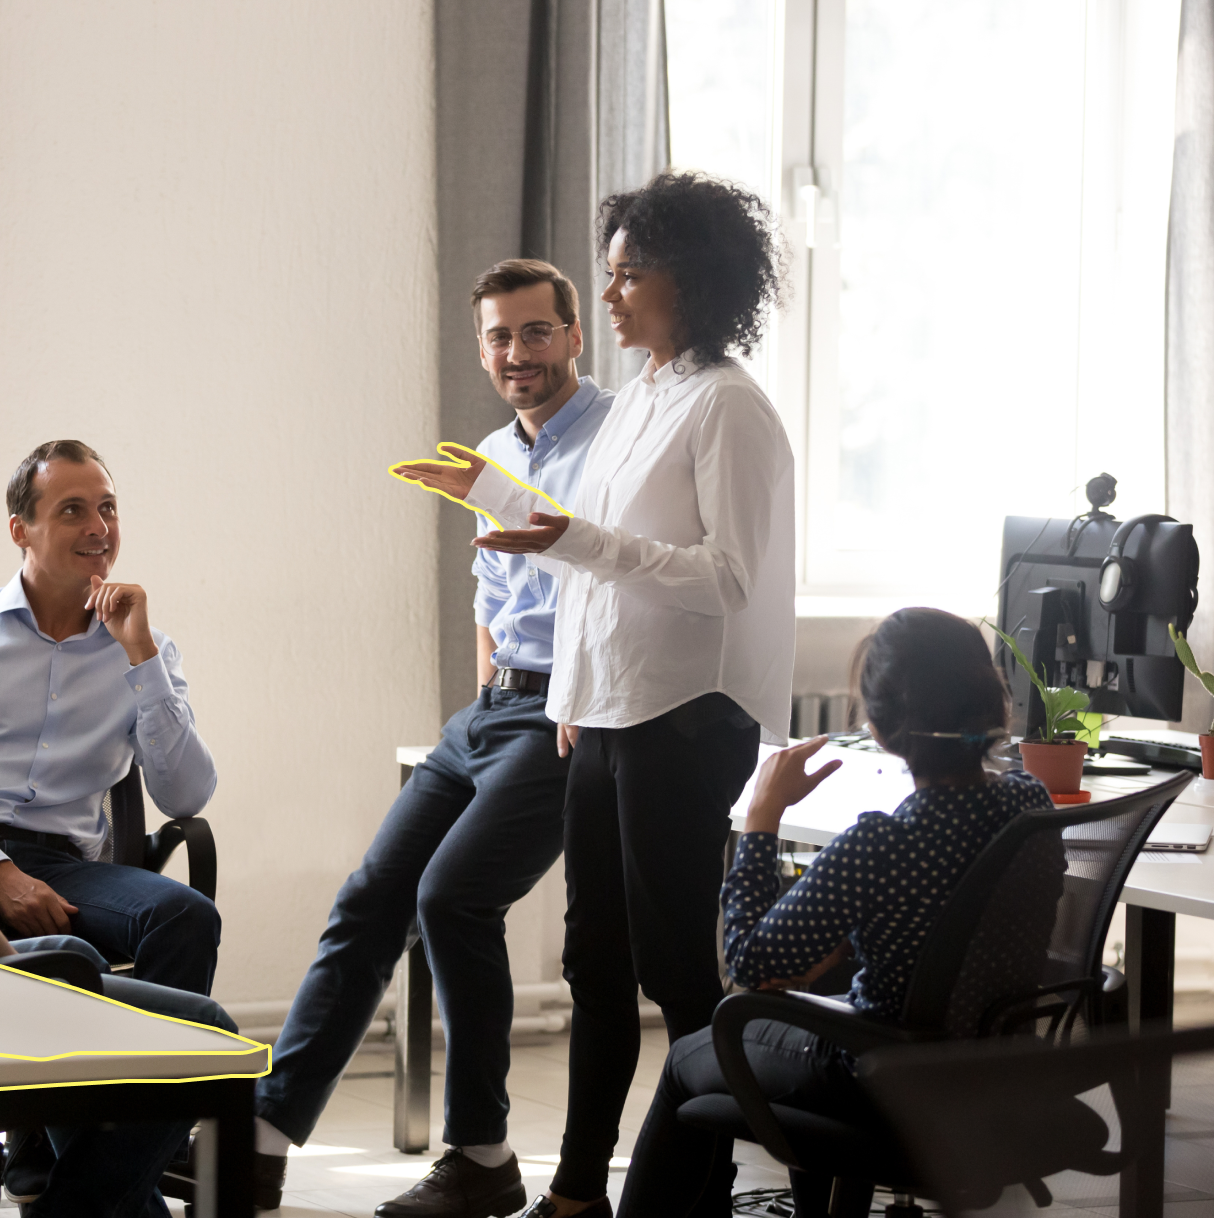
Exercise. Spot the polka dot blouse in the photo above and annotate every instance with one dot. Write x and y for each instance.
(881, 884)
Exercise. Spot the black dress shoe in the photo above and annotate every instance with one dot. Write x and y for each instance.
(543, 1207)
(270, 1174)
(28, 1159)
(457, 1187)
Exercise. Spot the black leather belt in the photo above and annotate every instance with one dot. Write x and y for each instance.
(53, 841)
(521, 678)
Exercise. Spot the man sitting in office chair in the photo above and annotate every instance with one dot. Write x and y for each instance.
(86, 686)
(480, 821)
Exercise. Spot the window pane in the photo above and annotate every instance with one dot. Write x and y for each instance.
(959, 236)
(719, 82)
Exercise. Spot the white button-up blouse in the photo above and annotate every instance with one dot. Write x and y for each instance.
(677, 573)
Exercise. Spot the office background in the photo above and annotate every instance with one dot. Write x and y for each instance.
(236, 242)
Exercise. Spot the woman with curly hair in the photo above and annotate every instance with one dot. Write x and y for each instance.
(674, 637)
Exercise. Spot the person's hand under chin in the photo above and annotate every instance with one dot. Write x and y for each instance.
(123, 610)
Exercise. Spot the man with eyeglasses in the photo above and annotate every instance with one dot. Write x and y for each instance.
(479, 822)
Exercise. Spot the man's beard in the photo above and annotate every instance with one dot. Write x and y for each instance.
(553, 377)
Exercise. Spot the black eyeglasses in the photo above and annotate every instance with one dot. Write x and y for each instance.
(537, 336)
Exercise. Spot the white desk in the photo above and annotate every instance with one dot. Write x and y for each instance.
(67, 1056)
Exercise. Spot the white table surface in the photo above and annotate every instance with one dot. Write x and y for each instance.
(53, 1035)
(1180, 883)
(877, 782)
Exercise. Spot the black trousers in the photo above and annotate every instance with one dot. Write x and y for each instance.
(644, 828)
(678, 1171)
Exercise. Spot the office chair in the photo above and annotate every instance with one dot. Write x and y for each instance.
(129, 843)
(980, 1117)
(1016, 949)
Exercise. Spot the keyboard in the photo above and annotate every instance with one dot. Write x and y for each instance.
(1154, 752)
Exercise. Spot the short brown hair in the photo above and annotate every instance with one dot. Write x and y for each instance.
(22, 495)
(513, 273)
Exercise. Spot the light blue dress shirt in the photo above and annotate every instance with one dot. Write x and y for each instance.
(72, 717)
(515, 599)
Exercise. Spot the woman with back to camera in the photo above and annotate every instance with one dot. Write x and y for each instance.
(675, 632)
(933, 697)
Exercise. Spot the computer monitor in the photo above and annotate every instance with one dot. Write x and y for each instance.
(1094, 615)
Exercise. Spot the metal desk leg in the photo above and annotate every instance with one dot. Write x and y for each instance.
(1150, 965)
(235, 1152)
(1150, 973)
(412, 1055)
(412, 1047)
(224, 1155)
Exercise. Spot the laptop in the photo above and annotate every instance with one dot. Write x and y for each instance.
(1195, 838)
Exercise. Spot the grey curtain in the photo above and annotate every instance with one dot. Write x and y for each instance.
(1189, 364)
(542, 108)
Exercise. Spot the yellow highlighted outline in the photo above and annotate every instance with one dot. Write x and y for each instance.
(457, 463)
(256, 1046)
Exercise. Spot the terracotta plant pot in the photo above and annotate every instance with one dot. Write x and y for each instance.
(1207, 756)
(1058, 766)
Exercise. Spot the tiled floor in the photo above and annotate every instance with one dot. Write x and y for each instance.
(350, 1166)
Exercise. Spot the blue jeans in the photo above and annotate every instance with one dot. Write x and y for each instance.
(171, 931)
(477, 825)
(113, 1173)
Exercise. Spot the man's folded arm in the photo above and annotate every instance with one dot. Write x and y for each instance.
(178, 768)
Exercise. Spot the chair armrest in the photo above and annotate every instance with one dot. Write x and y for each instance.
(67, 966)
(854, 1030)
(200, 851)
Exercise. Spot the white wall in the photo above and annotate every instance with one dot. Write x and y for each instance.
(217, 266)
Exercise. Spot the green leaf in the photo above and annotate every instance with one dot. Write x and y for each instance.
(1073, 699)
(1020, 659)
(1185, 652)
(1070, 724)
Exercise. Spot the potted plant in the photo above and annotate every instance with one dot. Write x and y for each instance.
(1057, 758)
(1185, 652)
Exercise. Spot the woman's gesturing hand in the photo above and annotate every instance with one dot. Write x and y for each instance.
(454, 477)
(783, 781)
(526, 541)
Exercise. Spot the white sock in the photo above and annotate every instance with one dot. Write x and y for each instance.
(268, 1140)
(493, 1154)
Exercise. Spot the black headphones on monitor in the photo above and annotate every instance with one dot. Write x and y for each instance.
(1119, 575)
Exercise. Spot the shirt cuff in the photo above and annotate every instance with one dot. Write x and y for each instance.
(150, 682)
(496, 495)
(578, 543)
(756, 849)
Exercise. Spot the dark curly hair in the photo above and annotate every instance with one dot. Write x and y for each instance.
(923, 671)
(719, 243)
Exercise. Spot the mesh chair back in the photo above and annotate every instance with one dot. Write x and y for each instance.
(1031, 912)
(1008, 1126)
(123, 808)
